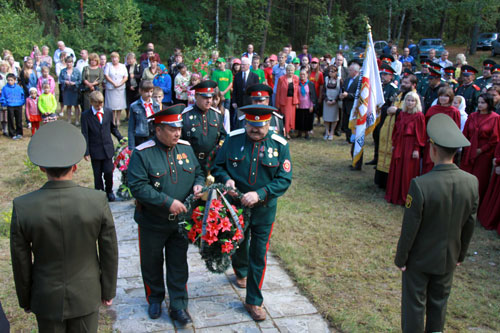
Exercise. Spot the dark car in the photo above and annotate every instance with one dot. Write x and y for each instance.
(358, 50)
(485, 40)
(425, 44)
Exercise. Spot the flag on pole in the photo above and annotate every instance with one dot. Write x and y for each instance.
(367, 102)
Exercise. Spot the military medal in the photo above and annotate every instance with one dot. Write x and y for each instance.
(157, 184)
(193, 129)
(187, 160)
(184, 155)
(180, 162)
(191, 117)
(235, 164)
(241, 148)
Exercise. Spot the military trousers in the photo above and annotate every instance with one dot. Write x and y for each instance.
(83, 324)
(157, 247)
(250, 258)
(424, 295)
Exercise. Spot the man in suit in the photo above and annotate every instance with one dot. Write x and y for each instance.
(437, 227)
(97, 127)
(62, 239)
(245, 78)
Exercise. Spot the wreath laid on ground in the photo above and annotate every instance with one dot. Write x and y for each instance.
(121, 161)
(216, 226)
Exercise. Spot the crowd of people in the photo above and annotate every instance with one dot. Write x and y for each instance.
(208, 105)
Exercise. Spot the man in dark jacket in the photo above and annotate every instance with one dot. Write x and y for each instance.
(97, 127)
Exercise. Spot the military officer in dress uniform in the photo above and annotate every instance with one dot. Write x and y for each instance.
(437, 227)
(390, 89)
(261, 95)
(422, 77)
(161, 174)
(469, 90)
(434, 84)
(389, 59)
(449, 77)
(204, 125)
(62, 239)
(485, 79)
(495, 76)
(257, 162)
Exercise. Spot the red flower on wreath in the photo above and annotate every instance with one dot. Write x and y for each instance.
(198, 226)
(212, 228)
(212, 216)
(217, 205)
(237, 235)
(242, 220)
(227, 247)
(225, 224)
(197, 215)
(209, 238)
(192, 235)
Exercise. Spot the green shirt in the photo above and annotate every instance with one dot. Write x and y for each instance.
(223, 79)
(260, 73)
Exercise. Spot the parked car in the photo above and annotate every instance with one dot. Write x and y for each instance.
(495, 46)
(359, 48)
(425, 44)
(486, 39)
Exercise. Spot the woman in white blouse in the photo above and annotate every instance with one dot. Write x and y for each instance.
(116, 75)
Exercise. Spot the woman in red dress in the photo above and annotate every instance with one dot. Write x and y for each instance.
(482, 129)
(443, 105)
(408, 137)
(489, 211)
(287, 98)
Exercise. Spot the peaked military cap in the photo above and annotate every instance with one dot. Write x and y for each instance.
(425, 62)
(387, 58)
(386, 69)
(205, 88)
(467, 70)
(407, 72)
(495, 69)
(450, 70)
(436, 66)
(433, 72)
(57, 145)
(170, 116)
(444, 132)
(259, 91)
(488, 63)
(258, 115)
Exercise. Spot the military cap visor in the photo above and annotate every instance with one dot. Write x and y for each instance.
(205, 88)
(258, 115)
(259, 91)
(488, 63)
(467, 70)
(444, 132)
(386, 69)
(170, 116)
(57, 145)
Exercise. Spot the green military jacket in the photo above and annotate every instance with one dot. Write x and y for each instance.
(482, 82)
(263, 166)
(470, 93)
(423, 82)
(157, 175)
(64, 250)
(439, 220)
(275, 126)
(204, 130)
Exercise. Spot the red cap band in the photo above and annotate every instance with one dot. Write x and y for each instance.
(257, 119)
(385, 70)
(449, 70)
(259, 94)
(171, 118)
(204, 90)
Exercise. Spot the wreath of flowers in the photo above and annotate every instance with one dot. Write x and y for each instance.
(121, 161)
(216, 227)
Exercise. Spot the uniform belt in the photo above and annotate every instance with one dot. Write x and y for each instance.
(172, 217)
(202, 156)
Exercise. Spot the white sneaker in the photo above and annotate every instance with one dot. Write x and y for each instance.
(325, 137)
(330, 138)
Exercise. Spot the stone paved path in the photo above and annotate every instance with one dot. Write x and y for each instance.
(215, 304)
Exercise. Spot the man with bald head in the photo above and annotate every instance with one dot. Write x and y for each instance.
(61, 47)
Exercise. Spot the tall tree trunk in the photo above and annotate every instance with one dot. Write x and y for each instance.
(473, 40)
(389, 21)
(46, 10)
(81, 12)
(308, 20)
(268, 23)
(217, 24)
(457, 26)
(408, 29)
(442, 24)
(292, 22)
(330, 4)
(229, 19)
(400, 27)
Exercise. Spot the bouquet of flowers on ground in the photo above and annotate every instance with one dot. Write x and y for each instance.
(217, 227)
(121, 161)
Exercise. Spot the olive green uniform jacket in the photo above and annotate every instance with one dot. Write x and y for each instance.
(59, 271)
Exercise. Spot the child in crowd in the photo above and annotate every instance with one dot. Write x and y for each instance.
(158, 96)
(216, 103)
(32, 113)
(46, 78)
(4, 71)
(13, 98)
(195, 79)
(47, 104)
(140, 128)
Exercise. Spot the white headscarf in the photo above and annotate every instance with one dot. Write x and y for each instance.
(463, 114)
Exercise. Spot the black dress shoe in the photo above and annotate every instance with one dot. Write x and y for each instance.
(111, 196)
(337, 133)
(181, 316)
(372, 162)
(354, 168)
(154, 310)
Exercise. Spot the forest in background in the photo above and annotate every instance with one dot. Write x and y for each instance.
(229, 25)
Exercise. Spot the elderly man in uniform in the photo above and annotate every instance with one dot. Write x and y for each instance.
(203, 125)
(161, 174)
(437, 227)
(62, 239)
(422, 77)
(261, 95)
(434, 83)
(484, 80)
(256, 162)
(469, 90)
